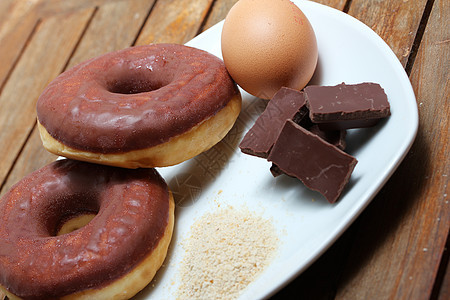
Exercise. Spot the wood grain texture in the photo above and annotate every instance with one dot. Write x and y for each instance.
(32, 157)
(221, 7)
(218, 12)
(105, 32)
(396, 21)
(338, 4)
(17, 21)
(48, 8)
(43, 59)
(443, 291)
(5, 6)
(176, 21)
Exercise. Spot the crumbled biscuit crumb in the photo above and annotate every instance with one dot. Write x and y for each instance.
(225, 252)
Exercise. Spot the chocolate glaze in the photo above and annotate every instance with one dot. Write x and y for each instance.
(286, 104)
(134, 98)
(319, 165)
(132, 209)
(347, 106)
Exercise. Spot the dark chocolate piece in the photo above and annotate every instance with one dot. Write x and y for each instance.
(275, 170)
(334, 137)
(347, 106)
(319, 165)
(286, 104)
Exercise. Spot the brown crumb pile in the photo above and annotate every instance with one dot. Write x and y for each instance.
(225, 252)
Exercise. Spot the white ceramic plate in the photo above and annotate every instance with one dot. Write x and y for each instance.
(305, 222)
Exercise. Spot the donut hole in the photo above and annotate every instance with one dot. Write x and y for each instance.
(73, 223)
(133, 83)
(67, 213)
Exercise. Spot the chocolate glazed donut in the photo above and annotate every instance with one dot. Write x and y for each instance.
(113, 256)
(145, 106)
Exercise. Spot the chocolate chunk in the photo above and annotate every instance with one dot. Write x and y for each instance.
(334, 137)
(275, 170)
(347, 106)
(319, 165)
(286, 104)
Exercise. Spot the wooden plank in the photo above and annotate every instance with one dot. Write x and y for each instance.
(396, 21)
(4, 8)
(48, 8)
(218, 12)
(33, 157)
(221, 7)
(402, 235)
(338, 4)
(42, 60)
(11, 13)
(444, 291)
(98, 39)
(177, 21)
(17, 21)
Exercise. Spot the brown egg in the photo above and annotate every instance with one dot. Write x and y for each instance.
(268, 44)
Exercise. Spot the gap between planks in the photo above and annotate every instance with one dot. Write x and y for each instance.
(419, 36)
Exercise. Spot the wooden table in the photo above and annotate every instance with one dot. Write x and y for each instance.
(397, 248)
